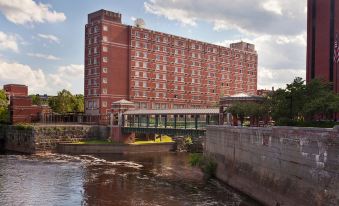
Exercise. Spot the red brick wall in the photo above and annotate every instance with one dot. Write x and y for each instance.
(217, 71)
(322, 46)
(16, 90)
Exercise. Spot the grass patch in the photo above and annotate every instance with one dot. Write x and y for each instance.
(163, 139)
(206, 164)
(95, 141)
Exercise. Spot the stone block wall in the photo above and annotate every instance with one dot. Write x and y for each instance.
(40, 138)
(280, 165)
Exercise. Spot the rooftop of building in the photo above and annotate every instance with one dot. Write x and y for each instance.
(241, 46)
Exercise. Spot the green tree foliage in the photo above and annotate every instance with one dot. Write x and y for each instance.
(248, 109)
(4, 113)
(300, 102)
(65, 102)
(37, 100)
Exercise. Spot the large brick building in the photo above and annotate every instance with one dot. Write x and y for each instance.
(156, 70)
(322, 29)
(21, 107)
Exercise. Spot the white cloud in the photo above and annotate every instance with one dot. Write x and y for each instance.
(15, 73)
(28, 11)
(66, 77)
(253, 16)
(50, 37)
(281, 58)
(9, 42)
(276, 27)
(43, 56)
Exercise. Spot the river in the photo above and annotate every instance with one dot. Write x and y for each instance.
(119, 180)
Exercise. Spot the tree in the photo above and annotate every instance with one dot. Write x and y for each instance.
(4, 113)
(65, 102)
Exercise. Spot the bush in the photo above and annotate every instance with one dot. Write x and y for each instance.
(23, 126)
(206, 164)
(294, 123)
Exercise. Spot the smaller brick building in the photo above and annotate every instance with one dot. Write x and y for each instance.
(21, 108)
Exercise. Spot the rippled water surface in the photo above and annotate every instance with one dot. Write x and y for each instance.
(152, 179)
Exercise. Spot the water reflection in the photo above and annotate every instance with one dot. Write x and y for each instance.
(151, 179)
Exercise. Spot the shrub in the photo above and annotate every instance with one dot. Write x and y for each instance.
(206, 164)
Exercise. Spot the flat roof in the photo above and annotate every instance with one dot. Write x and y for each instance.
(172, 111)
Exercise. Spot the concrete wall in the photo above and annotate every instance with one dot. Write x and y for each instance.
(113, 148)
(39, 138)
(284, 165)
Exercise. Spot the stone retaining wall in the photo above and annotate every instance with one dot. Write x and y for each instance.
(79, 149)
(280, 165)
(40, 138)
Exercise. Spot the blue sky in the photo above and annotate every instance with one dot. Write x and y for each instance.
(42, 42)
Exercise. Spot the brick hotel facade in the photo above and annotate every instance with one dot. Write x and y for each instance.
(160, 71)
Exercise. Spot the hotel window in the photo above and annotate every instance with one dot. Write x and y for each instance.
(136, 94)
(137, 73)
(145, 54)
(144, 65)
(104, 48)
(104, 59)
(176, 69)
(145, 36)
(145, 46)
(176, 60)
(95, 61)
(176, 43)
(164, 85)
(104, 70)
(136, 83)
(157, 94)
(165, 39)
(157, 67)
(176, 51)
(144, 75)
(104, 39)
(182, 88)
(164, 76)
(158, 39)
(193, 81)
(157, 57)
(95, 40)
(157, 48)
(192, 46)
(104, 104)
(137, 54)
(157, 76)
(89, 61)
(89, 92)
(157, 85)
(164, 68)
(137, 44)
(95, 50)
(89, 51)
(95, 29)
(176, 79)
(164, 49)
(137, 64)
(176, 87)
(104, 91)
(137, 34)
(144, 84)
(165, 59)
(105, 28)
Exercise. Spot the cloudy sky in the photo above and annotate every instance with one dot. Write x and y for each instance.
(42, 41)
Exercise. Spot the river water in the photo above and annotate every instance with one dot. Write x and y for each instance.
(119, 180)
